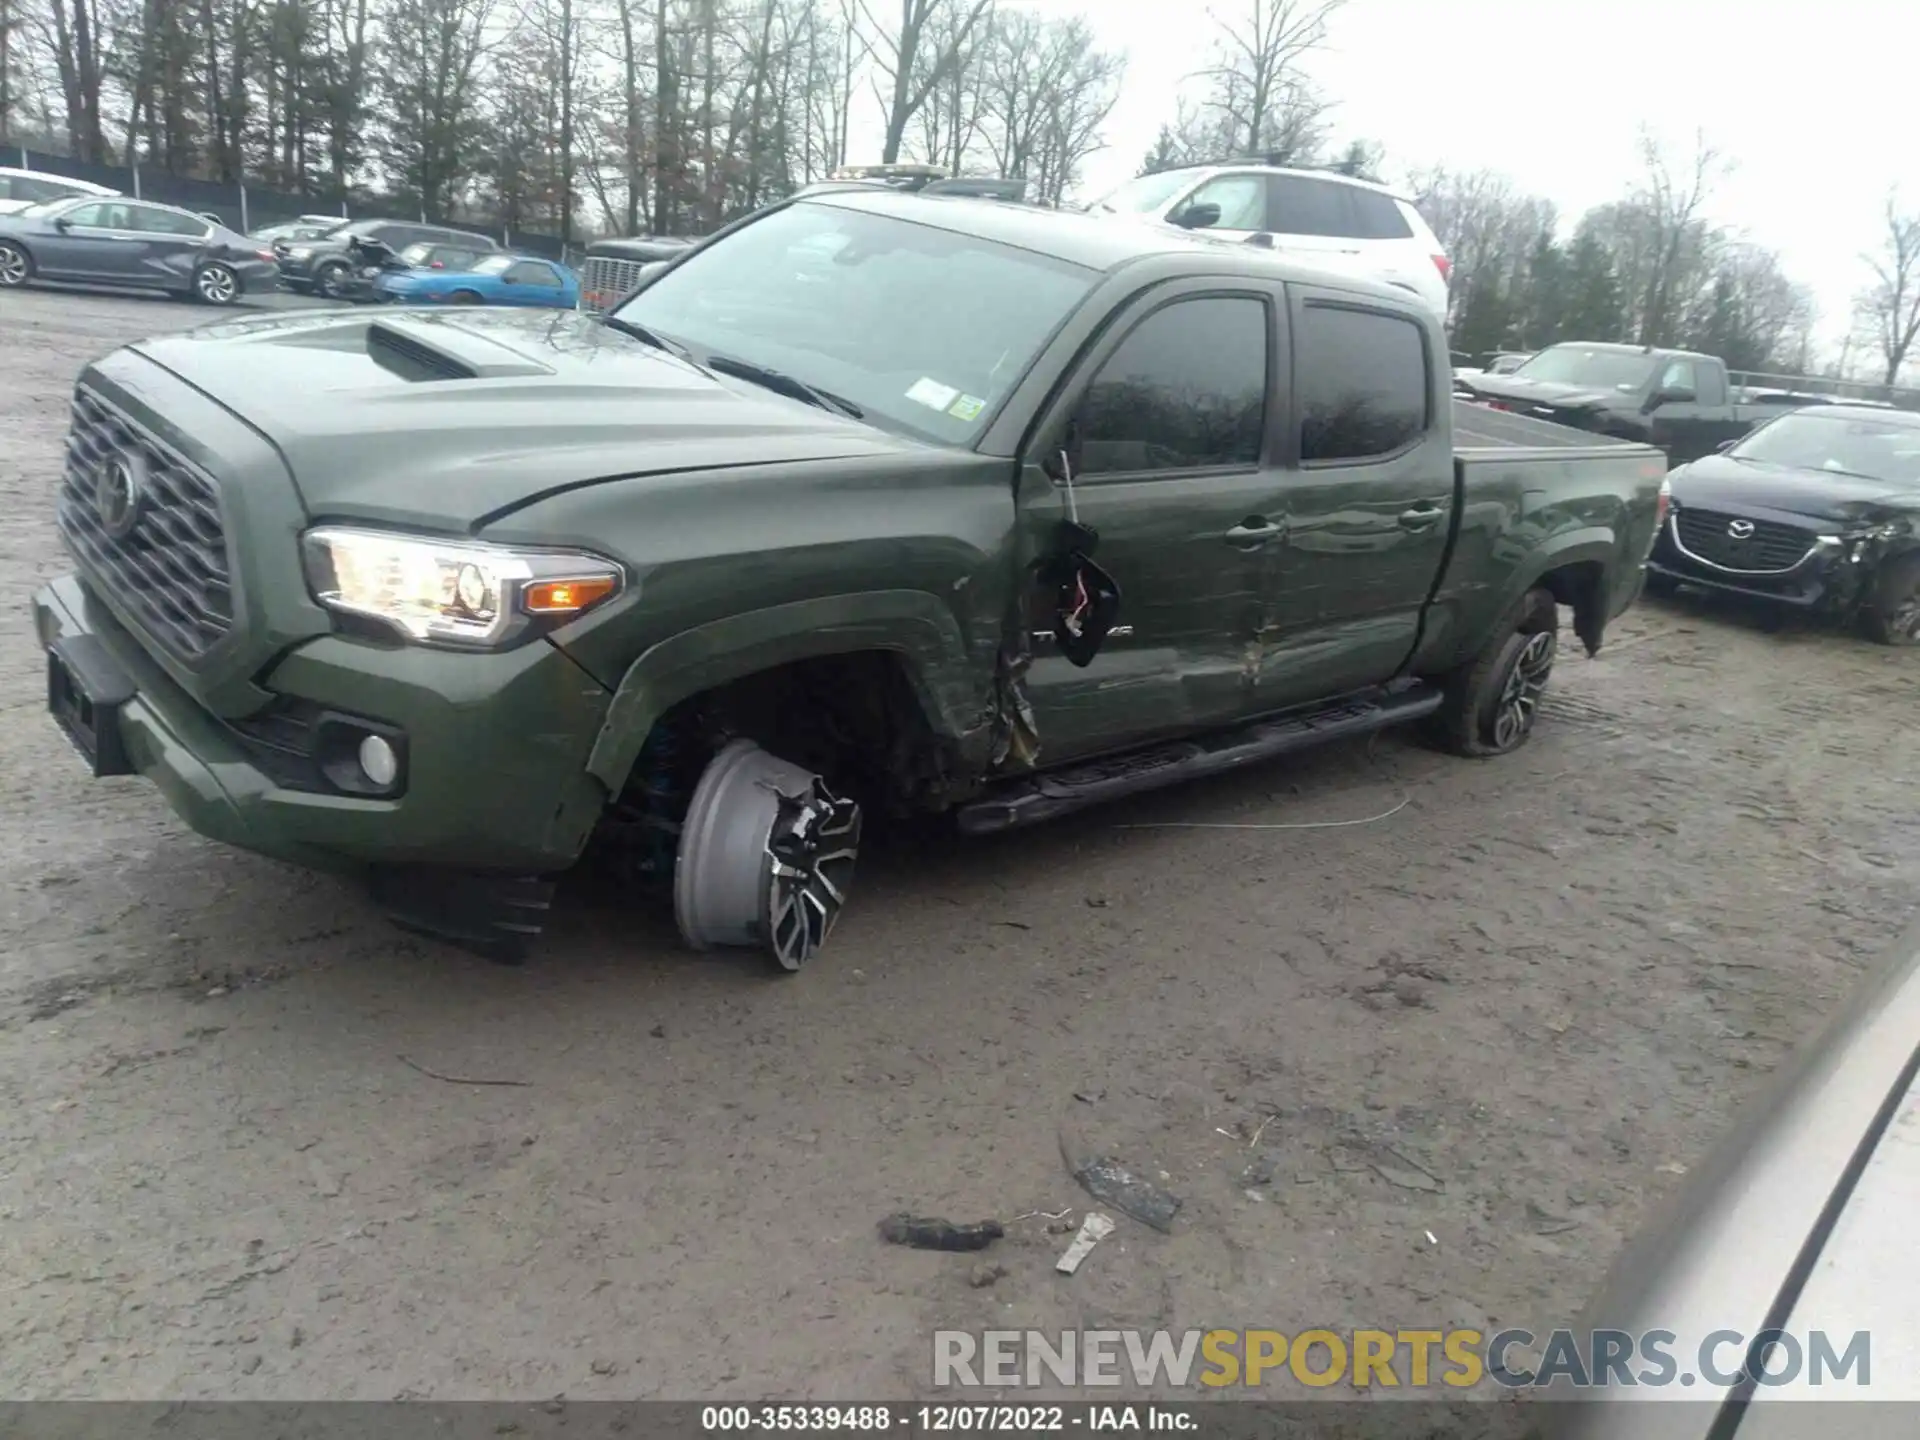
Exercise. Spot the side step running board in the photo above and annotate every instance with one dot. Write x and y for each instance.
(1031, 799)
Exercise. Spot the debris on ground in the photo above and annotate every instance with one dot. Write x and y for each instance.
(1112, 1182)
(925, 1233)
(984, 1274)
(1093, 1230)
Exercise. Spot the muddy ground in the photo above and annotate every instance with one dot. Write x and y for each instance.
(1508, 1014)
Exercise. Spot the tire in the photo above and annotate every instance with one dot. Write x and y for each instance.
(1892, 616)
(1491, 702)
(16, 266)
(216, 284)
(765, 858)
(326, 280)
(463, 297)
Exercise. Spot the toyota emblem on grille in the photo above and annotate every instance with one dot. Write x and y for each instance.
(1741, 529)
(120, 493)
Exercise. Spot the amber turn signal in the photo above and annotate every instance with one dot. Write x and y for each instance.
(567, 597)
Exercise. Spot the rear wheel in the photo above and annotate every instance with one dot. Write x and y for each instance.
(216, 284)
(1892, 616)
(16, 266)
(1493, 700)
(766, 857)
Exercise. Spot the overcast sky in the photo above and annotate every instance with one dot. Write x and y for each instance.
(1818, 106)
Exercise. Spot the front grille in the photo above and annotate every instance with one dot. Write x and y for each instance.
(1771, 547)
(604, 281)
(165, 560)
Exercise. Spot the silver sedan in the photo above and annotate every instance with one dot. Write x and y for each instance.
(132, 244)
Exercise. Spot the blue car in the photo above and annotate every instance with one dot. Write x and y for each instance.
(493, 280)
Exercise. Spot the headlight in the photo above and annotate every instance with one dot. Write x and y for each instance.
(299, 252)
(1892, 530)
(453, 593)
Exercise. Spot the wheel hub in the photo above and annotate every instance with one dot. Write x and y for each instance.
(1519, 703)
(766, 857)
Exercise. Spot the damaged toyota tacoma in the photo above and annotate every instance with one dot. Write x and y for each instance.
(871, 506)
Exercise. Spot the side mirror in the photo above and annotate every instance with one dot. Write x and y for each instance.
(1673, 395)
(1724, 446)
(1262, 241)
(1197, 217)
(63, 224)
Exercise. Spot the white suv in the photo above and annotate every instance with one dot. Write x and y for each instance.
(1321, 216)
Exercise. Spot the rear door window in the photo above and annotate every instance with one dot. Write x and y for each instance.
(150, 220)
(1364, 391)
(1297, 205)
(1377, 216)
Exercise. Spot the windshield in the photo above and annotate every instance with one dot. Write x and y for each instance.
(922, 328)
(1840, 444)
(1625, 370)
(1147, 193)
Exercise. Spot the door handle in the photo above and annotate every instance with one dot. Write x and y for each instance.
(1253, 532)
(1420, 516)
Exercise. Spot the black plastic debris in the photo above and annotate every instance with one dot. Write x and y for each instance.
(1119, 1187)
(923, 1233)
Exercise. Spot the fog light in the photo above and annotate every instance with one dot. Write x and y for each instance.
(378, 760)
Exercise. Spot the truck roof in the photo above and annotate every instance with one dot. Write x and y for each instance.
(1084, 240)
(1620, 347)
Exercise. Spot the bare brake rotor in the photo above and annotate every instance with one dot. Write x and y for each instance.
(766, 857)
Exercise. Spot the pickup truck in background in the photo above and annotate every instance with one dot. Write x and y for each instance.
(1675, 400)
(440, 597)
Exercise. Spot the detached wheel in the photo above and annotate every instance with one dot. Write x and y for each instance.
(1493, 700)
(1892, 616)
(16, 266)
(216, 284)
(766, 857)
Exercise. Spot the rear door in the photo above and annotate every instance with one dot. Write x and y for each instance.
(1368, 500)
(171, 244)
(1315, 218)
(1177, 424)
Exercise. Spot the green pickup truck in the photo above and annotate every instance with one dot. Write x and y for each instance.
(871, 506)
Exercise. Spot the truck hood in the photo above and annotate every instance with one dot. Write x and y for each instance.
(1719, 483)
(447, 419)
(1543, 392)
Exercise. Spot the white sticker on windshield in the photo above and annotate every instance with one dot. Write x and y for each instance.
(932, 394)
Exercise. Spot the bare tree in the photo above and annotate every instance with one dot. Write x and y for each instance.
(430, 82)
(1890, 308)
(1258, 87)
(913, 58)
(1669, 205)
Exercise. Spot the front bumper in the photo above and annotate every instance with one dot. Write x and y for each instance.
(496, 748)
(1825, 579)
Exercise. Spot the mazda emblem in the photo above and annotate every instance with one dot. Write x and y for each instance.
(1741, 529)
(120, 493)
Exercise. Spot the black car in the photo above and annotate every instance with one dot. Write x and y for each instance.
(1819, 508)
(325, 264)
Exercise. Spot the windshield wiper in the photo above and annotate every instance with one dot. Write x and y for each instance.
(785, 384)
(644, 335)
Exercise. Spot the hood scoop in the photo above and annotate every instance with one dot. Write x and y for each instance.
(432, 349)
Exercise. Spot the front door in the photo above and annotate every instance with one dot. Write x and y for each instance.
(1368, 507)
(1171, 409)
(94, 242)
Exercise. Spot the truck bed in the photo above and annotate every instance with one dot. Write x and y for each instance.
(1479, 428)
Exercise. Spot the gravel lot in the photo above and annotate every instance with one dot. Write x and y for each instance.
(1509, 1014)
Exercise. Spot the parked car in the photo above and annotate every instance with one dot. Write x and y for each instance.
(373, 260)
(1818, 509)
(21, 188)
(307, 227)
(1676, 399)
(1799, 1221)
(716, 574)
(524, 280)
(131, 244)
(1347, 225)
(324, 264)
(1508, 361)
(613, 267)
